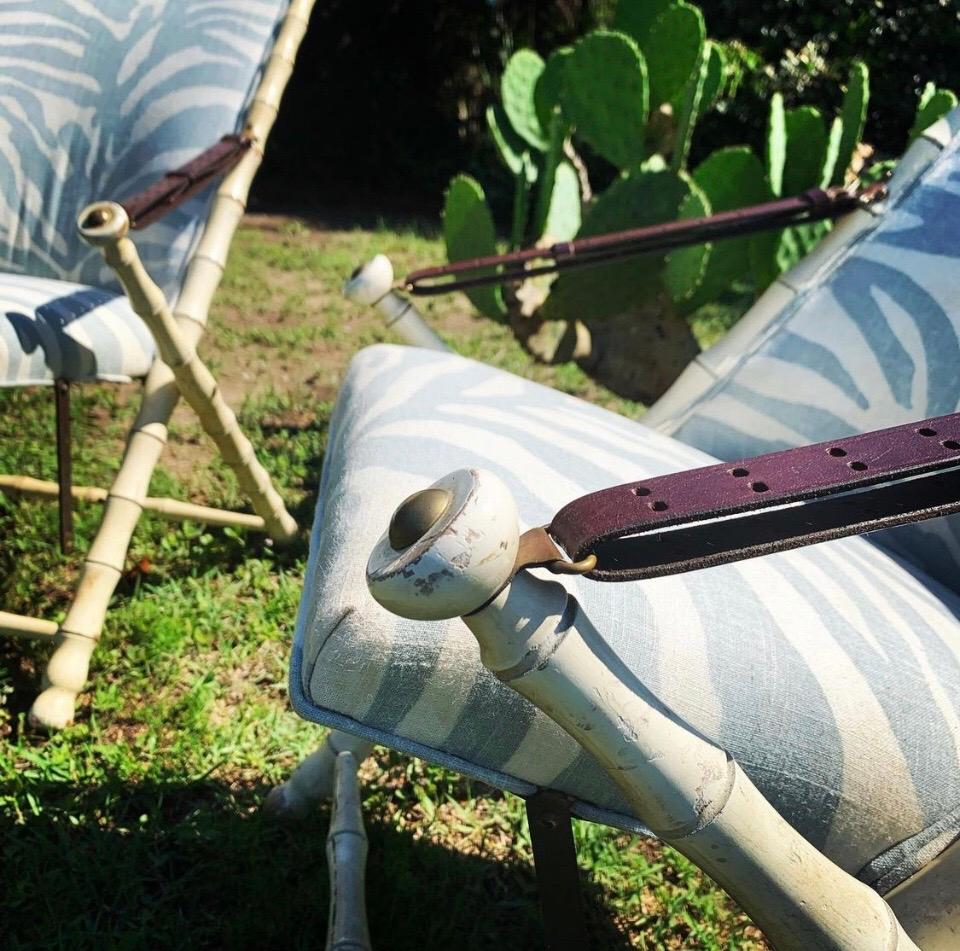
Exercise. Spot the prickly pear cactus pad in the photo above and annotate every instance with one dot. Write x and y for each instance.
(853, 115)
(468, 232)
(517, 91)
(513, 150)
(685, 267)
(730, 178)
(547, 93)
(635, 200)
(672, 51)
(563, 217)
(776, 144)
(714, 78)
(806, 150)
(605, 96)
(934, 104)
(636, 17)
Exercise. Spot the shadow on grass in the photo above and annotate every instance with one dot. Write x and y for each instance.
(184, 864)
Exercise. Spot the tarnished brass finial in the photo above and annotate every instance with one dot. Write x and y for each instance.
(98, 217)
(416, 515)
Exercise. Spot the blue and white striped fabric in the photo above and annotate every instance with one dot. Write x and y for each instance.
(864, 334)
(831, 673)
(53, 330)
(98, 99)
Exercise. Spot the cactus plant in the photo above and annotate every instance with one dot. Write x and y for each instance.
(549, 87)
(672, 49)
(633, 95)
(469, 233)
(636, 19)
(517, 90)
(934, 104)
(632, 201)
(853, 116)
(605, 96)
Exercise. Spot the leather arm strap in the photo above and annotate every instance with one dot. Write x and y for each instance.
(782, 500)
(177, 186)
(816, 204)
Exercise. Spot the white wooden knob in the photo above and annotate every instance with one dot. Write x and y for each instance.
(449, 549)
(370, 282)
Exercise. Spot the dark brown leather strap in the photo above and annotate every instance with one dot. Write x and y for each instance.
(816, 204)
(730, 511)
(177, 186)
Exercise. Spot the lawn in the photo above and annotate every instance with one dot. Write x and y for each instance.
(140, 826)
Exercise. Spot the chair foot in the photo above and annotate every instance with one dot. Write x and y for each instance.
(53, 709)
(312, 782)
(65, 677)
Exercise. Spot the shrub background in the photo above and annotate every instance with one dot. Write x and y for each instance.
(388, 96)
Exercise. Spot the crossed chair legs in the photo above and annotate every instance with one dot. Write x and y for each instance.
(179, 371)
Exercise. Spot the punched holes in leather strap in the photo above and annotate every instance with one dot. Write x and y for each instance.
(773, 481)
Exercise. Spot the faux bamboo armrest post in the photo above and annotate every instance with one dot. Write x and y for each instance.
(194, 381)
(535, 637)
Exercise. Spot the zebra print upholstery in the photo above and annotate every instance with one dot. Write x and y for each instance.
(863, 334)
(53, 330)
(98, 99)
(831, 673)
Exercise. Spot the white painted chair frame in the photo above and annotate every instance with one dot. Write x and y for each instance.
(177, 372)
(689, 792)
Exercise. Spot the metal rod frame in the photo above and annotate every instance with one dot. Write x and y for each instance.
(558, 879)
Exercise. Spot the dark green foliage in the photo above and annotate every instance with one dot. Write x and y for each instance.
(810, 43)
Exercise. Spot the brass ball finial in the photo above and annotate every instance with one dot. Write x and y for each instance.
(416, 515)
(98, 217)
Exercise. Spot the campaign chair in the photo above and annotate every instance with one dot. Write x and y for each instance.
(824, 683)
(122, 104)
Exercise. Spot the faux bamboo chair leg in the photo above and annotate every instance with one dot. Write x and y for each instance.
(61, 399)
(346, 860)
(534, 636)
(312, 782)
(67, 670)
(172, 509)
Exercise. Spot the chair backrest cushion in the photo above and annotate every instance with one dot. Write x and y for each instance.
(98, 99)
(831, 673)
(863, 334)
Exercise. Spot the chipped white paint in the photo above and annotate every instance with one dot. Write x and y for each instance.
(534, 636)
(461, 562)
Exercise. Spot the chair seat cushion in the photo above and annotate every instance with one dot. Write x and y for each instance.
(832, 673)
(54, 330)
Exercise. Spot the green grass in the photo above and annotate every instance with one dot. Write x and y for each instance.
(138, 827)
